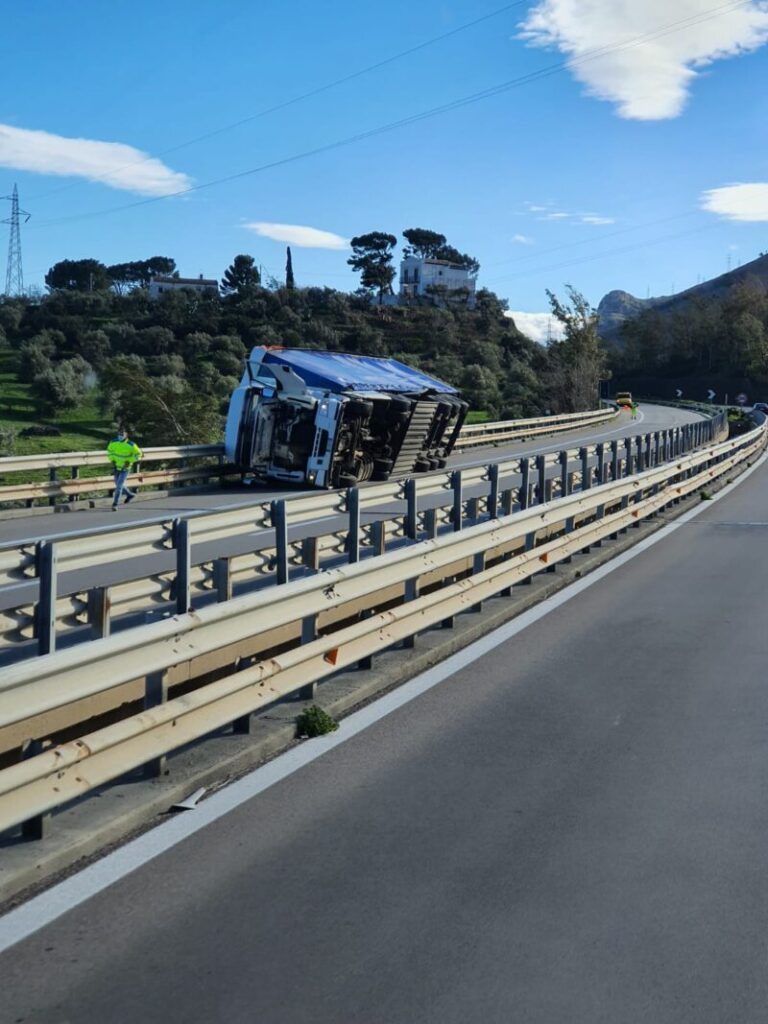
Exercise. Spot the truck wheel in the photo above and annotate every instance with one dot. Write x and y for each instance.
(359, 409)
(400, 405)
(382, 468)
(347, 480)
(422, 465)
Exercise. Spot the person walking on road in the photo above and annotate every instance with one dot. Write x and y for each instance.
(634, 410)
(123, 454)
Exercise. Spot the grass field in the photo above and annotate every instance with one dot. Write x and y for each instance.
(82, 429)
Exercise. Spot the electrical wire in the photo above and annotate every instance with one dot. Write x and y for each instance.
(296, 99)
(456, 104)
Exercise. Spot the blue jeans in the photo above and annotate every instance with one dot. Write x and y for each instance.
(121, 475)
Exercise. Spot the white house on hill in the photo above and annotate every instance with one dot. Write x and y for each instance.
(437, 280)
(203, 285)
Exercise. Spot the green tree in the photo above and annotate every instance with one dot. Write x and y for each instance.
(161, 410)
(290, 281)
(78, 276)
(578, 361)
(372, 257)
(61, 386)
(423, 243)
(241, 277)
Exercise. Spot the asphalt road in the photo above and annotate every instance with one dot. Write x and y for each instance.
(571, 829)
(650, 418)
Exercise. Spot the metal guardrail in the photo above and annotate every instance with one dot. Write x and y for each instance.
(201, 463)
(434, 579)
(476, 434)
(166, 566)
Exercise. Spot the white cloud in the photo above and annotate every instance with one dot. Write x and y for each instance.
(522, 239)
(111, 163)
(744, 202)
(555, 216)
(534, 208)
(538, 326)
(592, 218)
(299, 235)
(656, 45)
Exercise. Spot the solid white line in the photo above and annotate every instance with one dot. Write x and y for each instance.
(40, 911)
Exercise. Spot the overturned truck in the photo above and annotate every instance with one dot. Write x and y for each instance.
(327, 419)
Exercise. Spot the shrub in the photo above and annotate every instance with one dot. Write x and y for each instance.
(313, 721)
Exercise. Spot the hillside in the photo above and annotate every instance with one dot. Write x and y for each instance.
(618, 307)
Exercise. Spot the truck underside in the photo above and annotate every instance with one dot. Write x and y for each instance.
(371, 438)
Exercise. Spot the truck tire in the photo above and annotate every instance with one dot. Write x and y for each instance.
(400, 405)
(359, 408)
(421, 465)
(347, 480)
(382, 468)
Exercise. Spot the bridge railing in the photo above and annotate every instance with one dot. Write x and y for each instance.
(76, 586)
(194, 673)
(70, 476)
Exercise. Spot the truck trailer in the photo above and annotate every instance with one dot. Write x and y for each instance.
(328, 419)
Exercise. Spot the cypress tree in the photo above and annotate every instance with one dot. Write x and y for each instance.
(289, 278)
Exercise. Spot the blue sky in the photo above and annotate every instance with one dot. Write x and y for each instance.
(633, 157)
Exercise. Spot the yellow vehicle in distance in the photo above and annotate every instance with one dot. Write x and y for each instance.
(624, 399)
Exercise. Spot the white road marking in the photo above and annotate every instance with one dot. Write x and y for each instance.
(40, 911)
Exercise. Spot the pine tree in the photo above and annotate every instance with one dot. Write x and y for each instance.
(290, 281)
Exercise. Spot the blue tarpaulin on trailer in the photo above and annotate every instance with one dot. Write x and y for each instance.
(339, 371)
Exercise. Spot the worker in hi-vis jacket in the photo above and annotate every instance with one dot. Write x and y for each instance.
(123, 454)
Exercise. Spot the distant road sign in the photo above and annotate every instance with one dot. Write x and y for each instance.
(741, 398)
(710, 394)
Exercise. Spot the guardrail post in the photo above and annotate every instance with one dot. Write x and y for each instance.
(600, 450)
(53, 477)
(46, 572)
(365, 662)
(36, 827)
(530, 543)
(493, 494)
(99, 607)
(478, 565)
(614, 460)
(570, 523)
(279, 519)
(648, 443)
(525, 481)
(74, 474)
(639, 449)
(412, 510)
(308, 634)
(586, 469)
(657, 448)
(310, 553)
(222, 579)
(473, 509)
(379, 537)
(628, 456)
(458, 501)
(506, 501)
(562, 458)
(410, 593)
(155, 693)
(541, 479)
(353, 530)
(182, 547)
(430, 523)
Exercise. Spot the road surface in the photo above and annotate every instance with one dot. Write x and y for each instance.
(572, 828)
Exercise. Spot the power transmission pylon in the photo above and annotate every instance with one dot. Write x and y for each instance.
(14, 275)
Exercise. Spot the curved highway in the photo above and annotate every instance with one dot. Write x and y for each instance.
(650, 418)
(571, 827)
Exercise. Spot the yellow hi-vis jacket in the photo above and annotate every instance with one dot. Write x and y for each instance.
(123, 454)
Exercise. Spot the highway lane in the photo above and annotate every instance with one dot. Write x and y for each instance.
(650, 418)
(572, 828)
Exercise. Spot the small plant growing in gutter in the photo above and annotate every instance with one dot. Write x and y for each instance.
(706, 496)
(313, 721)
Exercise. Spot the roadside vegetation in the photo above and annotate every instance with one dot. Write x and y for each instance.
(96, 350)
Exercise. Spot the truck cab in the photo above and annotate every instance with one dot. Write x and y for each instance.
(328, 419)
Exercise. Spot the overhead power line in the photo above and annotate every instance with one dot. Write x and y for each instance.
(462, 101)
(297, 99)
